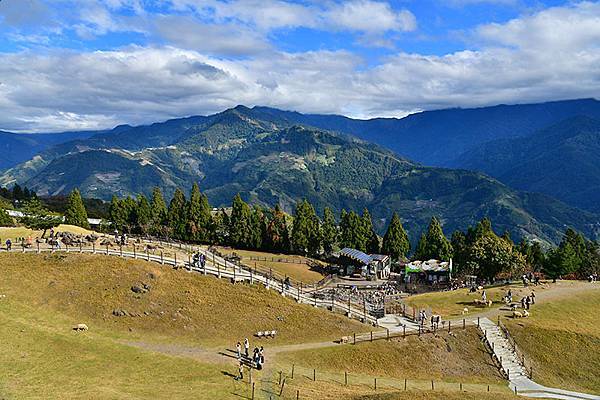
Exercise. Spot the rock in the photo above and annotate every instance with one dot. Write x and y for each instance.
(138, 289)
(117, 312)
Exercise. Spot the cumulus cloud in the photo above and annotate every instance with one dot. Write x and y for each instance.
(550, 55)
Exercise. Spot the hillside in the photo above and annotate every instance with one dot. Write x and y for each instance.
(562, 161)
(17, 148)
(270, 162)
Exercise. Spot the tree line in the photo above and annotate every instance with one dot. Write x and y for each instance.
(477, 251)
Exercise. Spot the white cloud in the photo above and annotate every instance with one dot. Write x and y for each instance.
(549, 55)
(370, 17)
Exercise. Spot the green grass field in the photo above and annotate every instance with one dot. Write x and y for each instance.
(562, 338)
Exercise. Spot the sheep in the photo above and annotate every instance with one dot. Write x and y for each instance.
(517, 314)
(435, 321)
(80, 327)
(344, 339)
(525, 313)
(465, 311)
(489, 303)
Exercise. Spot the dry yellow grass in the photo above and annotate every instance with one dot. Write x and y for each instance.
(298, 271)
(451, 303)
(459, 357)
(181, 306)
(20, 231)
(562, 338)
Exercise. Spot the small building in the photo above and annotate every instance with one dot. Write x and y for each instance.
(428, 272)
(355, 261)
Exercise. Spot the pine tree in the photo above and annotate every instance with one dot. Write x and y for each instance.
(395, 240)
(352, 231)
(143, 214)
(278, 236)
(118, 213)
(5, 219)
(258, 228)
(158, 212)
(422, 248)
(76, 213)
(329, 231)
(240, 227)
(436, 246)
(371, 240)
(220, 228)
(176, 215)
(37, 217)
(306, 236)
(199, 216)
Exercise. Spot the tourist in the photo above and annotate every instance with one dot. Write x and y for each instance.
(509, 296)
(8, 244)
(484, 296)
(527, 302)
(261, 353)
(532, 297)
(241, 372)
(246, 347)
(238, 347)
(523, 303)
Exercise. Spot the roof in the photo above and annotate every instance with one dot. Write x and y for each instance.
(355, 255)
(379, 257)
(429, 266)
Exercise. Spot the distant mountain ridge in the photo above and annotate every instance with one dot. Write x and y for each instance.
(270, 159)
(562, 160)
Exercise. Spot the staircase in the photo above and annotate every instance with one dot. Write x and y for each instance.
(511, 365)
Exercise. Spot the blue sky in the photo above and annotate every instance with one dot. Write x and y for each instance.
(96, 63)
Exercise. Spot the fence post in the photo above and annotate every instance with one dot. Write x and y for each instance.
(449, 323)
(279, 377)
(94, 247)
(404, 383)
(478, 322)
(219, 271)
(297, 394)
(38, 247)
(282, 386)
(461, 386)
(252, 390)
(388, 333)
(80, 247)
(134, 252)
(314, 374)
(403, 331)
(375, 379)
(371, 336)
(107, 249)
(346, 378)
(354, 338)
(293, 371)
(175, 259)
(365, 309)
(162, 260)
(464, 323)
(147, 254)
(121, 250)
(432, 388)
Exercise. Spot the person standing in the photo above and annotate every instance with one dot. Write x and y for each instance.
(527, 302)
(238, 347)
(8, 244)
(246, 347)
(532, 297)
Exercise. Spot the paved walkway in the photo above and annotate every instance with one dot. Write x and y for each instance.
(517, 375)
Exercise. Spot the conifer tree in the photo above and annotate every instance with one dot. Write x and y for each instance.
(36, 216)
(352, 231)
(395, 240)
(158, 212)
(176, 215)
(198, 215)
(5, 219)
(118, 213)
(306, 236)
(278, 236)
(75, 213)
(258, 228)
(436, 245)
(370, 237)
(240, 224)
(329, 231)
(143, 214)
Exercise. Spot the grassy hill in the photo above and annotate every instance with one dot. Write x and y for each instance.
(562, 338)
(270, 161)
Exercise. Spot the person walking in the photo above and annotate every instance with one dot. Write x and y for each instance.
(238, 347)
(240, 372)
(523, 303)
(527, 302)
(484, 296)
(8, 244)
(246, 347)
(532, 297)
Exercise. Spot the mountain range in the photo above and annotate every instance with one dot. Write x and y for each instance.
(271, 158)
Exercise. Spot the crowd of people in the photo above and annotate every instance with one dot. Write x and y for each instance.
(257, 360)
